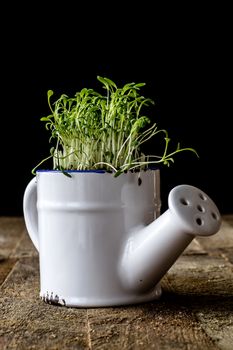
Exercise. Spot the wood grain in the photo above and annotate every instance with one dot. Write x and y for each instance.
(194, 312)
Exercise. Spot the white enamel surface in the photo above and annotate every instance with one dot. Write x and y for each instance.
(30, 211)
(151, 252)
(83, 225)
(196, 210)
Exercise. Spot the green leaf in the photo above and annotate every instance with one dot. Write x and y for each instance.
(102, 80)
(139, 85)
(110, 82)
(50, 93)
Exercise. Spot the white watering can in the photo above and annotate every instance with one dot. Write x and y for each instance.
(101, 240)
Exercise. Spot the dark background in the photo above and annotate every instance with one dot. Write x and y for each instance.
(182, 54)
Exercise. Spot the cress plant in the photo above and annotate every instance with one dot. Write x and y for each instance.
(104, 131)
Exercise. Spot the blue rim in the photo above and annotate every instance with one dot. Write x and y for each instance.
(98, 171)
(71, 171)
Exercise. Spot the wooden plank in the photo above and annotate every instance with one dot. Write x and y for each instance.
(25, 248)
(194, 248)
(159, 325)
(228, 254)
(6, 266)
(228, 218)
(26, 322)
(11, 230)
(222, 239)
(215, 310)
(200, 275)
(216, 319)
(194, 312)
(206, 285)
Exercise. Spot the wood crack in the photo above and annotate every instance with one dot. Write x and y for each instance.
(88, 332)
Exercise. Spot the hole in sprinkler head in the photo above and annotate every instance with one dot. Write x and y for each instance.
(201, 195)
(214, 216)
(200, 208)
(199, 221)
(183, 201)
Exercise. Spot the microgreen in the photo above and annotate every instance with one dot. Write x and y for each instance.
(104, 131)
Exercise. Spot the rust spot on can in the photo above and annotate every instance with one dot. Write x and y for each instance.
(53, 299)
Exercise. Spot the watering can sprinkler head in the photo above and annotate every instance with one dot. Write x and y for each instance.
(195, 210)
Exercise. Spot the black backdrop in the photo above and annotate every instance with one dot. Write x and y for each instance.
(183, 56)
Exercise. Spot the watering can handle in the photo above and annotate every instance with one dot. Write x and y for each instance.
(30, 211)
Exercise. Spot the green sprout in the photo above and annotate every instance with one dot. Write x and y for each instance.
(95, 131)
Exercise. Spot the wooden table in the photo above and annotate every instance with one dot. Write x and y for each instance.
(194, 312)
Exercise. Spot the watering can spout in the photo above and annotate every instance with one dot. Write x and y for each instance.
(151, 251)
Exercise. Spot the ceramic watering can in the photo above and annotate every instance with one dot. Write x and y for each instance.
(100, 238)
